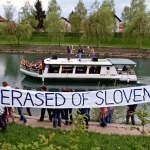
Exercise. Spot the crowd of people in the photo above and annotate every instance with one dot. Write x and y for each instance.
(37, 66)
(56, 114)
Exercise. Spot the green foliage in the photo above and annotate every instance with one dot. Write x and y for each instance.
(142, 115)
(53, 25)
(74, 134)
(99, 25)
(27, 14)
(9, 10)
(136, 22)
(40, 14)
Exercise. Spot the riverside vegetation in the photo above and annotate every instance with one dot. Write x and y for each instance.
(19, 137)
(39, 43)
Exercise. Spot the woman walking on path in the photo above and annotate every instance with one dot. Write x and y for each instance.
(102, 115)
(9, 109)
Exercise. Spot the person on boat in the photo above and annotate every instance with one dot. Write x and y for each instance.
(103, 113)
(68, 111)
(40, 67)
(22, 117)
(130, 110)
(80, 51)
(9, 109)
(44, 89)
(23, 62)
(68, 52)
(92, 53)
(124, 68)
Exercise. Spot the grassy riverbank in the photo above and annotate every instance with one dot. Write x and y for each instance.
(27, 135)
(39, 43)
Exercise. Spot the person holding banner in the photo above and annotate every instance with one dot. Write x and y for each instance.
(22, 117)
(103, 113)
(44, 89)
(130, 111)
(9, 109)
(3, 124)
(68, 111)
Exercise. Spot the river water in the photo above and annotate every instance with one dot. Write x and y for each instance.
(9, 71)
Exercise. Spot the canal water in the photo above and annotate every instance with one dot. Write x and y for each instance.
(9, 71)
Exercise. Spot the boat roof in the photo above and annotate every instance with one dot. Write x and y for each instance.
(121, 61)
(84, 61)
(75, 61)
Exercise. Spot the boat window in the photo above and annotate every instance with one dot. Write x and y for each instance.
(81, 69)
(92, 70)
(97, 69)
(108, 68)
(67, 69)
(53, 69)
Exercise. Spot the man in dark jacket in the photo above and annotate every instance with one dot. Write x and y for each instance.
(130, 111)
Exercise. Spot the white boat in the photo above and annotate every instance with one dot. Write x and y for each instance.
(118, 69)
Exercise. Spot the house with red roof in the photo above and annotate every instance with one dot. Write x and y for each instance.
(2, 19)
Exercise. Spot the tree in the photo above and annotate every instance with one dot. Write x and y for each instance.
(15, 32)
(9, 10)
(28, 13)
(100, 24)
(40, 14)
(53, 25)
(136, 22)
(74, 20)
(78, 16)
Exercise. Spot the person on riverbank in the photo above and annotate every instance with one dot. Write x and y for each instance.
(3, 124)
(130, 110)
(22, 117)
(44, 89)
(84, 111)
(103, 113)
(68, 111)
(68, 52)
(110, 114)
(28, 108)
(9, 109)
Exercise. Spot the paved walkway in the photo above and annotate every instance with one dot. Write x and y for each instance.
(113, 128)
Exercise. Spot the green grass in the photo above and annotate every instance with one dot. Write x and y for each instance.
(40, 38)
(25, 134)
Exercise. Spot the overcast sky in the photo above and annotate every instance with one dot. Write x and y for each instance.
(67, 5)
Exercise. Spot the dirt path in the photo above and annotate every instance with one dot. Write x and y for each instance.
(113, 128)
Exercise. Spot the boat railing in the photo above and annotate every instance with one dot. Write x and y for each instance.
(36, 70)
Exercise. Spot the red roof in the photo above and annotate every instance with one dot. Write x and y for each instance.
(2, 19)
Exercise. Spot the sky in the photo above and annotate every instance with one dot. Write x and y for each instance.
(67, 5)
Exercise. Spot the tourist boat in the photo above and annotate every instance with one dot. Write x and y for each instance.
(110, 69)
